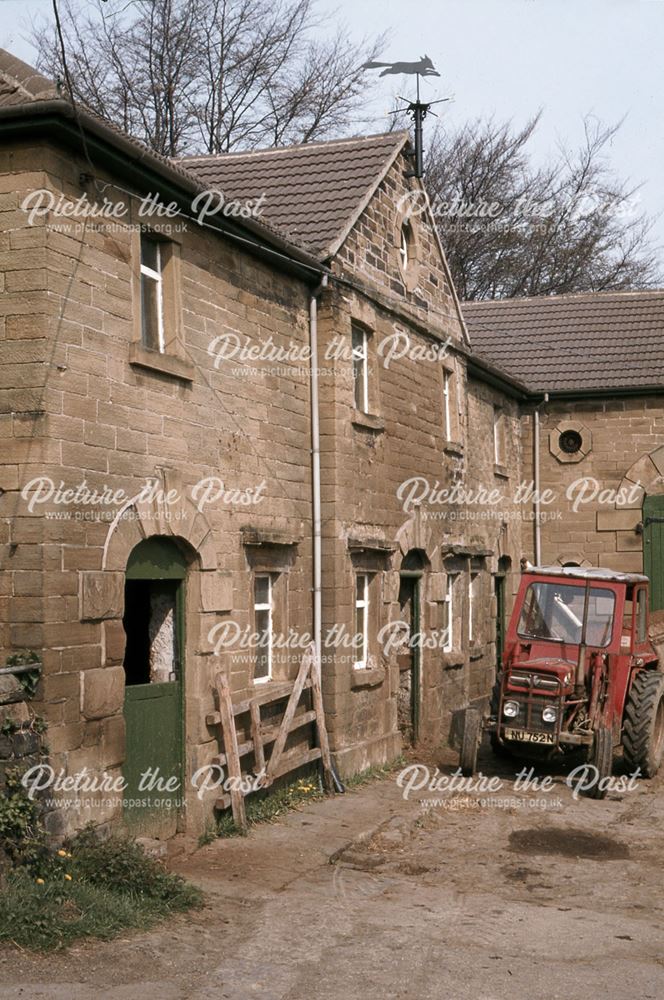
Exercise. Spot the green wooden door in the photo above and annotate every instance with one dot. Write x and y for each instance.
(154, 664)
(653, 549)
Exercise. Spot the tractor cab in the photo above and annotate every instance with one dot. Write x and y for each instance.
(578, 669)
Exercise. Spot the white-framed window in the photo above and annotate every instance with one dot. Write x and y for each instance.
(152, 295)
(448, 613)
(498, 436)
(360, 342)
(472, 602)
(447, 404)
(406, 243)
(362, 621)
(263, 627)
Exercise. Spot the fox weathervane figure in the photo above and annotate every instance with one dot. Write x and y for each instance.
(424, 67)
(417, 109)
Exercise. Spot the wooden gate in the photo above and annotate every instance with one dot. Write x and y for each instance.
(277, 762)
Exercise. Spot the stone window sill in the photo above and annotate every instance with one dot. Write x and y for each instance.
(371, 677)
(367, 421)
(501, 471)
(453, 448)
(165, 364)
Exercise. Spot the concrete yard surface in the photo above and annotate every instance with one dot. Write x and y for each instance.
(369, 896)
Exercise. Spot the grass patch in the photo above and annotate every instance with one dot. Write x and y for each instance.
(271, 805)
(91, 889)
(374, 773)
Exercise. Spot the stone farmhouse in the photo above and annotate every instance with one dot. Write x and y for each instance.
(594, 367)
(230, 426)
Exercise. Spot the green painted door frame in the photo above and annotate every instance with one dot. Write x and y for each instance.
(653, 549)
(415, 577)
(499, 586)
(154, 712)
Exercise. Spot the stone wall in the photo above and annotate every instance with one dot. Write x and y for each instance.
(77, 408)
(616, 453)
(366, 459)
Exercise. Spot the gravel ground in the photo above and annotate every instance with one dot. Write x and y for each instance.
(373, 896)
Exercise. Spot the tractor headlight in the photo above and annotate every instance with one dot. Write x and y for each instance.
(511, 709)
(549, 714)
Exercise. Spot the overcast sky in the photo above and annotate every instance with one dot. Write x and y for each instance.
(509, 58)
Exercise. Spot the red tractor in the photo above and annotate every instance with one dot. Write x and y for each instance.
(579, 671)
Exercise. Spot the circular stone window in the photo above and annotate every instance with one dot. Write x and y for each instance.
(570, 442)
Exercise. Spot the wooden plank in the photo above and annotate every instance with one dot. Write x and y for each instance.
(284, 728)
(323, 742)
(231, 748)
(289, 762)
(269, 736)
(256, 737)
(272, 693)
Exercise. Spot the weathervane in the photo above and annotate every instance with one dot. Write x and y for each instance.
(417, 109)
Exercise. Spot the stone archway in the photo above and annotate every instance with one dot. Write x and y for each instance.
(645, 477)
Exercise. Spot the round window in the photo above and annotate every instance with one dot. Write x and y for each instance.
(570, 442)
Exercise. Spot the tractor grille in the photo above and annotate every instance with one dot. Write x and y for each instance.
(540, 682)
(532, 721)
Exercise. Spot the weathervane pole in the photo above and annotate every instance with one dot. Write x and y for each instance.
(417, 109)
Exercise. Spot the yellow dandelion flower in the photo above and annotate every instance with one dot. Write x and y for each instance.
(39, 881)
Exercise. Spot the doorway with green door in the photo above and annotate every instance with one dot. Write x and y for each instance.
(153, 621)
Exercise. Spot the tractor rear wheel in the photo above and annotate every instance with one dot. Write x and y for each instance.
(643, 732)
(601, 756)
(470, 742)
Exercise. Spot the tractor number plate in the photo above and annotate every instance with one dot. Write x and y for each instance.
(523, 737)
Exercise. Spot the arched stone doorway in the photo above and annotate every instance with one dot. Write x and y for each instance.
(409, 696)
(154, 665)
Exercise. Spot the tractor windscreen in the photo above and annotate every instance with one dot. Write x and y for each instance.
(554, 611)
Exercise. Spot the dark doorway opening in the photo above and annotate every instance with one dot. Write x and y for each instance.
(408, 697)
(150, 623)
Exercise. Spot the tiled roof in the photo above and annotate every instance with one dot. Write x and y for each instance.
(569, 343)
(22, 84)
(313, 192)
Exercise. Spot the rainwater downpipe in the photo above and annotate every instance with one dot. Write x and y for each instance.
(315, 475)
(315, 466)
(536, 473)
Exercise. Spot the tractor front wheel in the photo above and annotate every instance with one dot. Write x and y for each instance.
(601, 756)
(470, 742)
(643, 732)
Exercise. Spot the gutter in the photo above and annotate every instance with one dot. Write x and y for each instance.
(141, 165)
